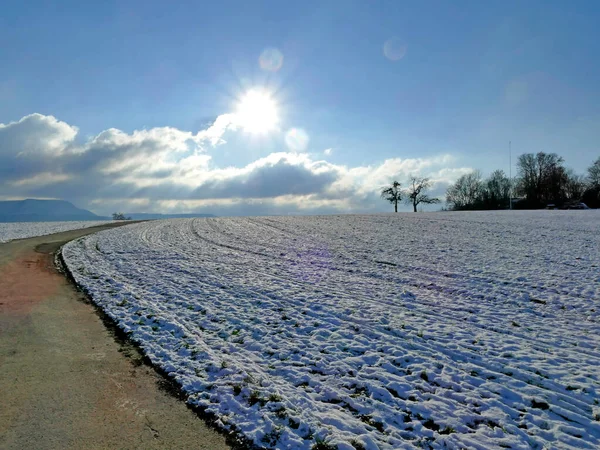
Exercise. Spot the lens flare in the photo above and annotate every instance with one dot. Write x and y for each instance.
(297, 139)
(394, 49)
(271, 60)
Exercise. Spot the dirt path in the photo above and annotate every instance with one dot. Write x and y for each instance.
(65, 380)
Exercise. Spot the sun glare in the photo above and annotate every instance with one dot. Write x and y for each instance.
(257, 112)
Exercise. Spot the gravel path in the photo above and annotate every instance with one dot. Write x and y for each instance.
(65, 380)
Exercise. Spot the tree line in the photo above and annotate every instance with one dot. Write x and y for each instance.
(542, 180)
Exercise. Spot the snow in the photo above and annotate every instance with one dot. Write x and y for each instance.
(437, 330)
(23, 230)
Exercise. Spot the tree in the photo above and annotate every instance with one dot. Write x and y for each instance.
(593, 177)
(496, 193)
(574, 186)
(467, 192)
(542, 178)
(392, 194)
(120, 216)
(591, 195)
(416, 192)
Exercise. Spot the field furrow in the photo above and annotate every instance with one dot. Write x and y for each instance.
(446, 330)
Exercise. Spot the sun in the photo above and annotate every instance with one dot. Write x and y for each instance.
(257, 112)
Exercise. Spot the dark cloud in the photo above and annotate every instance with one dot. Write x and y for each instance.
(283, 177)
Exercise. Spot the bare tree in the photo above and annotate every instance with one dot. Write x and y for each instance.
(591, 196)
(542, 178)
(574, 186)
(120, 216)
(416, 192)
(594, 174)
(392, 194)
(497, 191)
(467, 192)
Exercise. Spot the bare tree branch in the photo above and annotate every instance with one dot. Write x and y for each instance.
(416, 192)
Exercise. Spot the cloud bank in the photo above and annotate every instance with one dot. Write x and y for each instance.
(169, 170)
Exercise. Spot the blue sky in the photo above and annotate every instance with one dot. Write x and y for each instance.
(474, 76)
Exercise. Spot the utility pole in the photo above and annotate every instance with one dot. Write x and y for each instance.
(510, 171)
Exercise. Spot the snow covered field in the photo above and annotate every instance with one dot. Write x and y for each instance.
(440, 330)
(22, 230)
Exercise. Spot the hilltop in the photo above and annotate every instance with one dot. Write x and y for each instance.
(32, 210)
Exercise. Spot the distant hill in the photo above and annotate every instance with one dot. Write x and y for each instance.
(31, 210)
(153, 216)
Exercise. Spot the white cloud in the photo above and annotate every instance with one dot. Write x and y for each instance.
(36, 134)
(169, 169)
(214, 134)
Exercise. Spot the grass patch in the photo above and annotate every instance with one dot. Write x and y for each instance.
(322, 444)
(271, 437)
(360, 391)
(275, 398)
(256, 398)
(371, 422)
(357, 445)
(281, 412)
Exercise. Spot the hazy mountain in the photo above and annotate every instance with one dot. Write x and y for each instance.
(31, 210)
(152, 216)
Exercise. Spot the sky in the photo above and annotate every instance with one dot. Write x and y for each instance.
(270, 107)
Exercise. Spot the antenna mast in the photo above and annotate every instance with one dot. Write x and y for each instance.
(510, 171)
